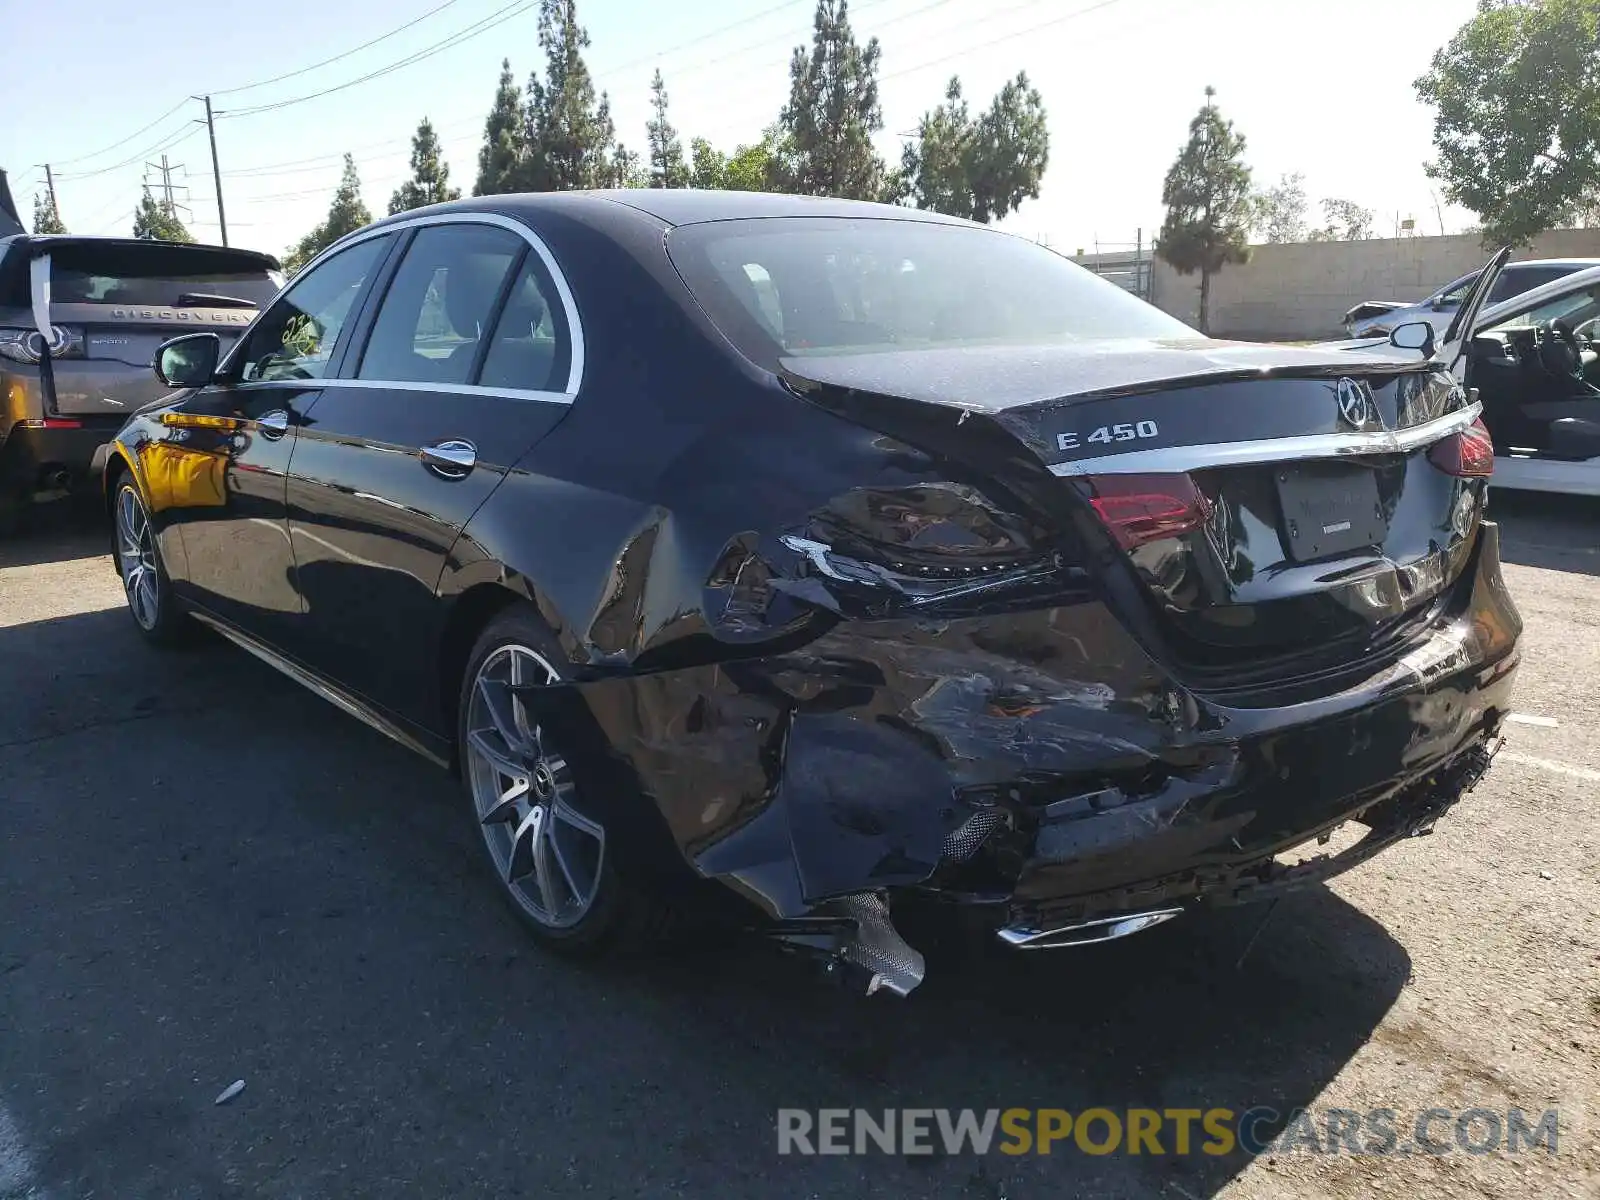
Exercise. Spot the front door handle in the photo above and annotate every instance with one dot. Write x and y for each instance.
(450, 459)
(273, 424)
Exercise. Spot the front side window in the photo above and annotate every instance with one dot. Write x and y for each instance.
(296, 337)
(435, 315)
(1456, 292)
(798, 286)
(1578, 309)
(1514, 281)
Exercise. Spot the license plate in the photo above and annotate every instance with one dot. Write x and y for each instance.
(1329, 508)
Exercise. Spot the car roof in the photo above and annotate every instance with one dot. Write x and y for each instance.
(684, 206)
(1576, 264)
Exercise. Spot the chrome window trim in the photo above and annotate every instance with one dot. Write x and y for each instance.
(535, 242)
(412, 385)
(1171, 459)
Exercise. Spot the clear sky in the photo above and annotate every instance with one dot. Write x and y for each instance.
(1312, 88)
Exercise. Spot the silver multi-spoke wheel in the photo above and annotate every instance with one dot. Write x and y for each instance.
(548, 853)
(136, 556)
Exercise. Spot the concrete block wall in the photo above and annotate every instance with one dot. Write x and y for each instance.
(1297, 290)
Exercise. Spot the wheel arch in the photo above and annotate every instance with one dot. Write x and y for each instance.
(471, 606)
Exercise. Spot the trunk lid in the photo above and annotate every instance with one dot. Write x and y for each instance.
(1259, 509)
(112, 302)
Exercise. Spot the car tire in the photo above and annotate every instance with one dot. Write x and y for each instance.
(145, 584)
(551, 857)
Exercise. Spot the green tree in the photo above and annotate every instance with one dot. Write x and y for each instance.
(567, 131)
(1207, 194)
(346, 214)
(1280, 210)
(833, 113)
(1516, 127)
(45, 217)
(626, 170)
(500, 158)
(706, 164)
(980, 169)
(1346, 221)
(667, 168)
(155, 221)
(430, 176)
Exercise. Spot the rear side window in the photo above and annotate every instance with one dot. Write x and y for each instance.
(436, 313)
(531, 348)
(798, 286)
(159, 275)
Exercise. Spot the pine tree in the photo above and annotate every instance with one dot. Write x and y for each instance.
(833, 112)
(626, 171)
(979, 169)
(45, 217)
(430, 176)
(568, 134)
(158, 222)
(1209, 209)
(500, 158)
(346, 214)
(667, 168)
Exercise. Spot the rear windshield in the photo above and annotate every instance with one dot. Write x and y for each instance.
(159, 275)
(794, 286)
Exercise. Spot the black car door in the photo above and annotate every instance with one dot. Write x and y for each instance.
(466, 358)
(236, 438)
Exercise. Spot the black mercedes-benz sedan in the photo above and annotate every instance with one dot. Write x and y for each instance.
(807, 562)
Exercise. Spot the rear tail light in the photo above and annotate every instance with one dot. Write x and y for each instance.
(1144, 508)
(1466, 455)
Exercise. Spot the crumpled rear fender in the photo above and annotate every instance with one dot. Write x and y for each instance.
(845, 765)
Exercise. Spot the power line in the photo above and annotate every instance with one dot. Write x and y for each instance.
(245, 87)
(498, 17)
(176, 134)
(705, 37)
(933, 62)
(115, 145)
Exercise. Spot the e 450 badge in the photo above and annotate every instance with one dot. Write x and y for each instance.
(1128, 431)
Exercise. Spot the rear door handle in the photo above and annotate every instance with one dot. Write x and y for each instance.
(273, 424)
(450, 459)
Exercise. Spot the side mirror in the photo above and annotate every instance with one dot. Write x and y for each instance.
(188, 361)
(1414, 335)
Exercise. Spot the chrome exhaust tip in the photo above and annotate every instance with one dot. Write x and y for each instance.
(1085, 933)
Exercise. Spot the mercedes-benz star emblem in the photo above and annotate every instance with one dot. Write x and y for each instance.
(1354, 406)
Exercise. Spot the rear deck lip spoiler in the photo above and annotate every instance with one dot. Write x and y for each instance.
(1175, 459)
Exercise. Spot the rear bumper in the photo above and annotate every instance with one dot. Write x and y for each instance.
(32, 453)
(1040, 764)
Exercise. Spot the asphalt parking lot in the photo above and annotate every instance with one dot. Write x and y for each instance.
(208, 874)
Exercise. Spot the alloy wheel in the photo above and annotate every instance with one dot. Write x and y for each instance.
(548, 853)
(136, 556)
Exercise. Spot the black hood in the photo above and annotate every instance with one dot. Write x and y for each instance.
(10, 219)
(996, 378)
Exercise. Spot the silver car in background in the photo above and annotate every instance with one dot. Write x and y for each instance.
(1377, 318)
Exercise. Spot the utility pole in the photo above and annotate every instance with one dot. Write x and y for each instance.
(50, 182)
(216, 171)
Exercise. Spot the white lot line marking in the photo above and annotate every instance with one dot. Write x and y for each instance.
(1542, 722)
(1550, 764)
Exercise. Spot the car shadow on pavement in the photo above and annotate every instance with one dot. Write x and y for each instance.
(1558, 533)
(55, 533)
(211, 875)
